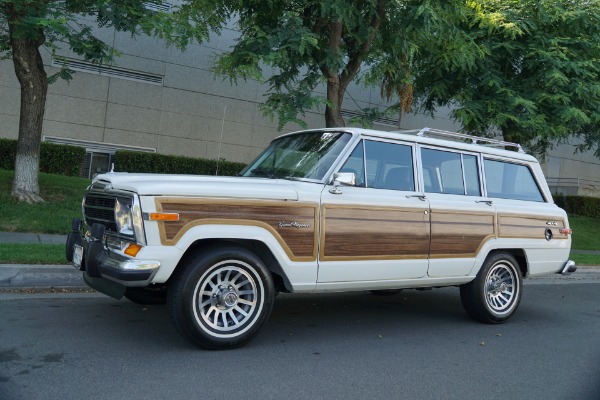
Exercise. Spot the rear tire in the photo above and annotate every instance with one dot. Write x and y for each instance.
(219, 299)
(495, 293)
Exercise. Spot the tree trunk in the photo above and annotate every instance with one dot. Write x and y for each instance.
(30, 72)
(333, 112)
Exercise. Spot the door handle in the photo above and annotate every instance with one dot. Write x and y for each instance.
(488, 202)
(421, 197)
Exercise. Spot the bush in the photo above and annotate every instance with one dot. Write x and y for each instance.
(56, 159)
(8, 149)
(134, 161)
(579, 205)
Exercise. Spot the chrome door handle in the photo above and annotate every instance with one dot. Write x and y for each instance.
(421, 197)
(488, 202)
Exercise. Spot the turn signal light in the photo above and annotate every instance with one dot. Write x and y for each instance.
(163, 217)
(133, 249)
(565, 231)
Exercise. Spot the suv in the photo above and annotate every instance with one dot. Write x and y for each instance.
(321, 211)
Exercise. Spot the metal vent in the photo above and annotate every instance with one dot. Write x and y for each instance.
(163, 6)
(105, 70)
(381, 121)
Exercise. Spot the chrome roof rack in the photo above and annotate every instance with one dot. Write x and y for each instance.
(473, 139)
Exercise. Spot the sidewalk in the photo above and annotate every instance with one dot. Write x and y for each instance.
(42, 238)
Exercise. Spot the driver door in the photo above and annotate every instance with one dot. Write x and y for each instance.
(378, 230)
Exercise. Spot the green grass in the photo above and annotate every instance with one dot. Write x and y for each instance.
(586, 233)
(32, 253)
(62, 195)
(585, 259)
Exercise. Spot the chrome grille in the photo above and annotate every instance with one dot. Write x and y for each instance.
(100, 209)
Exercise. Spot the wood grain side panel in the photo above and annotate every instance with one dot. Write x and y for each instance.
(529, 227)
(299, 239)
(460, 234)
(353, 233)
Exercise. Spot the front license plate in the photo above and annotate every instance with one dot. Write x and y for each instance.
(77, 256)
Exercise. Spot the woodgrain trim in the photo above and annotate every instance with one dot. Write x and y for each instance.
(357, 232)
(522, 226)
(299, 243)
(460, 234)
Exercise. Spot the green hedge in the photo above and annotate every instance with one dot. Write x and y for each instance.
(135, 161)
(579, 205)
(54, 158)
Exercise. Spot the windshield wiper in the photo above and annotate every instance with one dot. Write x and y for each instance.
(263, 172)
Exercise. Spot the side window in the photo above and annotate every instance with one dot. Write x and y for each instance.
(471, 175)
(450, 173)
(506, 180)
(356, 164)
(389, 166)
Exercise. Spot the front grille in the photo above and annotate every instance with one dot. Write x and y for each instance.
(100, 209)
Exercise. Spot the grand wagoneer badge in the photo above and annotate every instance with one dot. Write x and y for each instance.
(293, 224)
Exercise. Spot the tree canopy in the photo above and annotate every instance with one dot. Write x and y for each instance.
(539, 83)
(295, 46)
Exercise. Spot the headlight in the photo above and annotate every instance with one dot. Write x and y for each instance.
(123, 217)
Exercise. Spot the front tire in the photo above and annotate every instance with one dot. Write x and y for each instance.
(495, 293)
(219, 299)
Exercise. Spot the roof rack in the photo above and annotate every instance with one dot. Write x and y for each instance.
(473, 139)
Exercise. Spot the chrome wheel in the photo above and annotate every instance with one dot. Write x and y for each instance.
(495, 293)
(228, 298)
(500, 288)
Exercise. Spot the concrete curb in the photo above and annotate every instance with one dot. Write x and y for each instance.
(16, 275)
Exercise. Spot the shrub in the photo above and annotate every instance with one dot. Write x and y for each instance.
(8, 149)
(134, 161)
(580, 205)
(57, 159)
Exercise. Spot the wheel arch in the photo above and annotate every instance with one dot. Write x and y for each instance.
(518, 254)
(257, 247)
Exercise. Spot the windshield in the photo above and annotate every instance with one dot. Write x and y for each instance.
(304, 155)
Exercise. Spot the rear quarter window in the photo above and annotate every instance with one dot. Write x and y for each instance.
(507, 180)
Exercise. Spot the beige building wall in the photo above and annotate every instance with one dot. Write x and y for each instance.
(192, 113)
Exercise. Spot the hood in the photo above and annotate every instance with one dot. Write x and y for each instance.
(197, 185)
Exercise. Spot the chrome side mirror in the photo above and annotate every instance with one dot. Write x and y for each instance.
(342, 178)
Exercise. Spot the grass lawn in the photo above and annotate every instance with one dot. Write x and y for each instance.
(586, 259)
(586, 232)
(62, 194)
(32, 253)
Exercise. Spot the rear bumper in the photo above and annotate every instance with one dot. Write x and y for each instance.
(568, 268)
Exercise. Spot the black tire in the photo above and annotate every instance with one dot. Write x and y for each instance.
(495, 293)
(219, 299)
(145, 296)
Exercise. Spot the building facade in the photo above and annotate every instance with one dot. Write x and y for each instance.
(159, 99)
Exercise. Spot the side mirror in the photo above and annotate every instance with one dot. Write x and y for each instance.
(342, 178)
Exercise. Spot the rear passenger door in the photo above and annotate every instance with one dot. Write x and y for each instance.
(377, 231)
(462, 220)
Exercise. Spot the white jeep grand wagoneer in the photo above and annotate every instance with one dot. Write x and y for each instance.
(319, 211)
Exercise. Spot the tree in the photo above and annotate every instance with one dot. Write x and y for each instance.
(295, 46)
(539, 83)
(28, 25)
